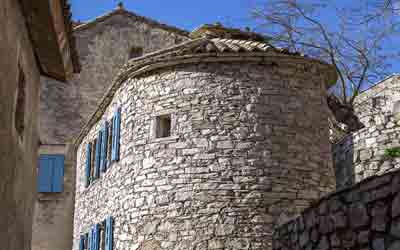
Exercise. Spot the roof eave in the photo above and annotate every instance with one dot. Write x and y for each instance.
(47, 23)
(130, 71)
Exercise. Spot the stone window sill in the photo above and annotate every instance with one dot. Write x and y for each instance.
(49, 196)
(165, 139)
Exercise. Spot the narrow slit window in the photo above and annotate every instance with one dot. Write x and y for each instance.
(20, 106)
(163, 126)
(135, 52)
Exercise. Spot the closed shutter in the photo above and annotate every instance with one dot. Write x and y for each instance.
(116, 135)
(108, 241)
(44, 175)
(96, 241)
(58, 173)
(88, 161)
(104, 140)
(96, 164)
(50, 174)
(82, 243)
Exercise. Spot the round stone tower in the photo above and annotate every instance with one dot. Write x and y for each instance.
(220, 140)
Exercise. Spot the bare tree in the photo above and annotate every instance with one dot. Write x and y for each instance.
(353, 36)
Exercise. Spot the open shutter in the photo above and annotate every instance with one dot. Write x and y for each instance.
(97, 237)
(44, 174)
(116, 135)
(90, 239)
(108, 241)
(96, 171)
(58, 173)
(88, 160)
(104, 140)
(82, 242)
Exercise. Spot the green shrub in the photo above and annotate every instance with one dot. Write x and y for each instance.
(392, 152)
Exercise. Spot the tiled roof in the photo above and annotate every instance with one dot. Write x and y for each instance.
(217, 30)
(197, 51)
(121, 11)
(203, 47)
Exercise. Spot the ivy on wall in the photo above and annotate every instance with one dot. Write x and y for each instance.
(392, 152)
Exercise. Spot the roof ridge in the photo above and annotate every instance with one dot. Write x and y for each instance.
(131, 14)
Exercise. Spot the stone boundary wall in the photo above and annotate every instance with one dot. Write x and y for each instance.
(362, 154)
(363, 217)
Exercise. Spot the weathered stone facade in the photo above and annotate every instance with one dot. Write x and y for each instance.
(103, 46)
(365, 216)
(362, 154)
(22, 61)
(17, 151)
(249, 149)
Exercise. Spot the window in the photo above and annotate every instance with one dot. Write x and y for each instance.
(378, 102)
(20, 105)
(396, 107)
(135, 52)
(104, 149)
(163, 126)
(50, 174)
(100, 236)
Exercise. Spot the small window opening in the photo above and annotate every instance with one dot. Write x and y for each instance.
(20, 106)
(377, 102)
(135, 52)
(396, 107)
(163, 126)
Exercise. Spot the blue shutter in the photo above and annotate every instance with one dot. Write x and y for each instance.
(44, 174)
(108, 234)
(90, 239)
(58, 173)
(82, 242)
(104, 141)
(87, 169)
(116, 135)
(96, 237)
(96, 171)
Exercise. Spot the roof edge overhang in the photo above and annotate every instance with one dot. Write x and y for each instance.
(122, 11)
(49, 28)
(139, 69)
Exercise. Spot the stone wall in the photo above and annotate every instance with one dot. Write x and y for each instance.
(249, 149)
(52, 224)
(103, 48)
(65, 107)
(365, 216)
(18, 150)
(361, 154)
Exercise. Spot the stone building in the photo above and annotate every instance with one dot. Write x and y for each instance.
(362, 154)
(103, 45)
(34, 40)
(203, 145)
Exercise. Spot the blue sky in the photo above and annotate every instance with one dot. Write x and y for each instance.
(186, 14)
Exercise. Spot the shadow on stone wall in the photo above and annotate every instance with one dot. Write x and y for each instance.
(365, 216)
(343, 162)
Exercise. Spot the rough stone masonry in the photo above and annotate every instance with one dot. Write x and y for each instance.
(248, 150)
